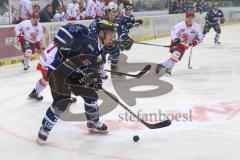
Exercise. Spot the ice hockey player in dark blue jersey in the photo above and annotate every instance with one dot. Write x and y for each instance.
(77, 69)
(213, 18)
(124, 23)
(110, 15)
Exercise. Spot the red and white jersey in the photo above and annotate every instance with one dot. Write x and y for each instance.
(60, 17)
(30, 33)
(48, 55)
(100, 8)
(186, 33)
(26, 9)
(73, 10)
(91, 9)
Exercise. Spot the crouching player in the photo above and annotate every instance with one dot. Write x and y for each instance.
(75, 68)
(183, 35)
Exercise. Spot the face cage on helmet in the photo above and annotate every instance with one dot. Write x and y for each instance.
(104, 35)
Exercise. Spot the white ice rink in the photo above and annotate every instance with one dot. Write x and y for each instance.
(211, 91)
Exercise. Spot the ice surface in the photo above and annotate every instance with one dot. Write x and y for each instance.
(210, 91)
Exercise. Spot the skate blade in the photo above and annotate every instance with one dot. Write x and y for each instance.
(40, 141)
(33, 99)
(96, 131)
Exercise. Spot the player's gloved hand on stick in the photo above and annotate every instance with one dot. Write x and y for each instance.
(138, 23)
(127, 42)
(21, 38)
(176, 42)
(89, 78)
(195, 42)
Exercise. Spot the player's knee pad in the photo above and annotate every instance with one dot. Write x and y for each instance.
(28, 53)
(206, 29)
(176, 56)
(60, 104)
(91, 109)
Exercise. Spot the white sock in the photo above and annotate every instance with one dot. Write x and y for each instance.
(40, 85)
(169, 63)
(26, 62)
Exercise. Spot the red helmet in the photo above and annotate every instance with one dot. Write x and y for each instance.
(35, 15)
(190, 13)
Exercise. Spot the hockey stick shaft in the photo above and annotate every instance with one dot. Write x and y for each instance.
(140, 74)
(157, 45)
(190, 58)
(148, 125)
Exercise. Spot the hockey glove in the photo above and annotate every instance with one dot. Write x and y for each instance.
(138, 23)
(21, 39)
(175, 42)
(194, 42)
(127, 43)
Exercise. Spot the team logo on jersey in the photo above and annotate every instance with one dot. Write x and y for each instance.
(91, 47)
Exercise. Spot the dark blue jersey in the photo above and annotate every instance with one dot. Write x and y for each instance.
(79, 40)
(125, 24)
(213, 17)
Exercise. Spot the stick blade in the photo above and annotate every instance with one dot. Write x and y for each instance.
(159, 125)
(144, 70)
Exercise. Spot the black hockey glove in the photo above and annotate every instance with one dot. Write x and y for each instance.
(176, 42)
(138, 23)
(126, 43)
(89, 78)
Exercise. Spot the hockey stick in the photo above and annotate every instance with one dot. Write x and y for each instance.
(189, 59)
(157, 45)
(140, 74)
(148, 125)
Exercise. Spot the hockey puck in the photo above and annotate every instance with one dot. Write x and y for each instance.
(135, 138)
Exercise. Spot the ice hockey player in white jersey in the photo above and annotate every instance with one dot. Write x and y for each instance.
(30, 34)
(183, 35)
(46, 58)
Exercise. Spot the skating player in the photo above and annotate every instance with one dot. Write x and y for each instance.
(183, 35)
(75, 69)
(125, 23)
(110, 15)
(30, 34)
(213, 18)
(46, 59)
